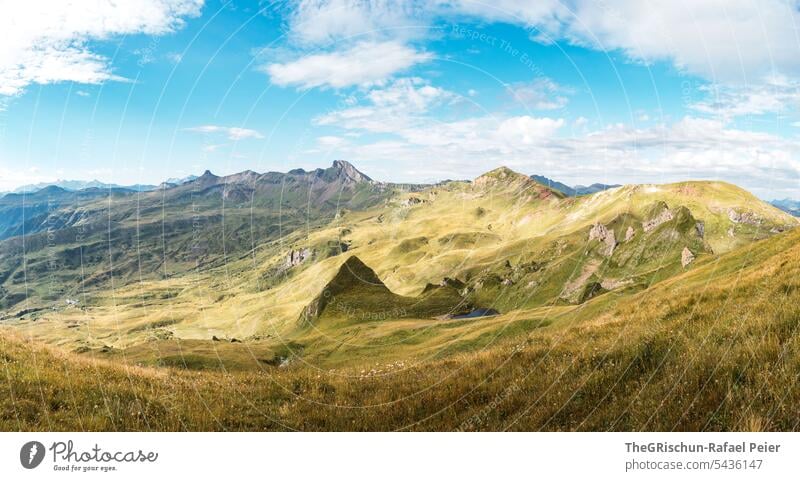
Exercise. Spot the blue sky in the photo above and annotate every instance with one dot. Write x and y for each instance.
(614, 91)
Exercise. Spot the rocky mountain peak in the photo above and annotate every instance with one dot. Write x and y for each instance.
(207, 176)
(349, 172)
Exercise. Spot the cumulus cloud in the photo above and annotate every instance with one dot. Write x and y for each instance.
(721, 40)
(232, 133)
(389, 108)
(48, 42)
(325, 21)
(361, 64)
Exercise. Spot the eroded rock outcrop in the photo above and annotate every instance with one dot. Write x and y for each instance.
(743, 217)
(664, 216)
(606, 236)
(297, 256)
(629, 233)
(411, 201)
(686, 257)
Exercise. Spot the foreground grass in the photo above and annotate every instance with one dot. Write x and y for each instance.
(716, 348)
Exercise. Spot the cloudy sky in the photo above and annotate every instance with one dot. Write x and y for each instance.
(615, 91)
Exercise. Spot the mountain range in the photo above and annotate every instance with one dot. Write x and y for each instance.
(290, 275)
(788, 205)
(575, 190)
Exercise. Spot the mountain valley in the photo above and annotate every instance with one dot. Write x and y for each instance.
(330, 273)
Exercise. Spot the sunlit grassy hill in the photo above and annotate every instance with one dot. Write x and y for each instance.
(713, 348)
(163, 279)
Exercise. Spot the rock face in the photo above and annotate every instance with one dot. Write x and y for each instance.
(349, 173)
(743, 217)
(700, 227)
(652, 223)
(297, 257)
(411, 201)
(606, 236)
(629, 233)
(686, 257)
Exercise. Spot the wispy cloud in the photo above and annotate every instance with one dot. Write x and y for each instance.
(540, 94)
(362, 64)
(232, 133)
(48, 42)
(389, 108)
(774, 94)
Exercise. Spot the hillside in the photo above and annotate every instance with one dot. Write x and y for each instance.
(714, 348)
(450, 268)
(78, 242)
(356, 294)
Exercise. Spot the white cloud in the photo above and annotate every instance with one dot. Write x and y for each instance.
(232, 133)
(774, 94)
(212, 147)
(331, 141)
(692, 148)
(389, 108)
(721, 40)
(529, 130)
(540, 94)
(326, 21)
(364, 63)
(48, 42)
(175, 57)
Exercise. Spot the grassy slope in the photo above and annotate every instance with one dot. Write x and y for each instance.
(714, 348)
(458, 230)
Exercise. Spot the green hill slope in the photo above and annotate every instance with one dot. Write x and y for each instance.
(356, 294)
(714, 348)
(504, 244)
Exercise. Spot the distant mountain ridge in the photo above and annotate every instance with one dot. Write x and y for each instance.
(347, 170)
(788, 205)
(573, 191)
(75, 185)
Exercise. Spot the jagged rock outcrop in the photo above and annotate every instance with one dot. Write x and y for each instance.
(606, 236)
(686, 257)
(297, 256)
(743, 217)
(664, 216)
(411, 201)
(629, 233)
